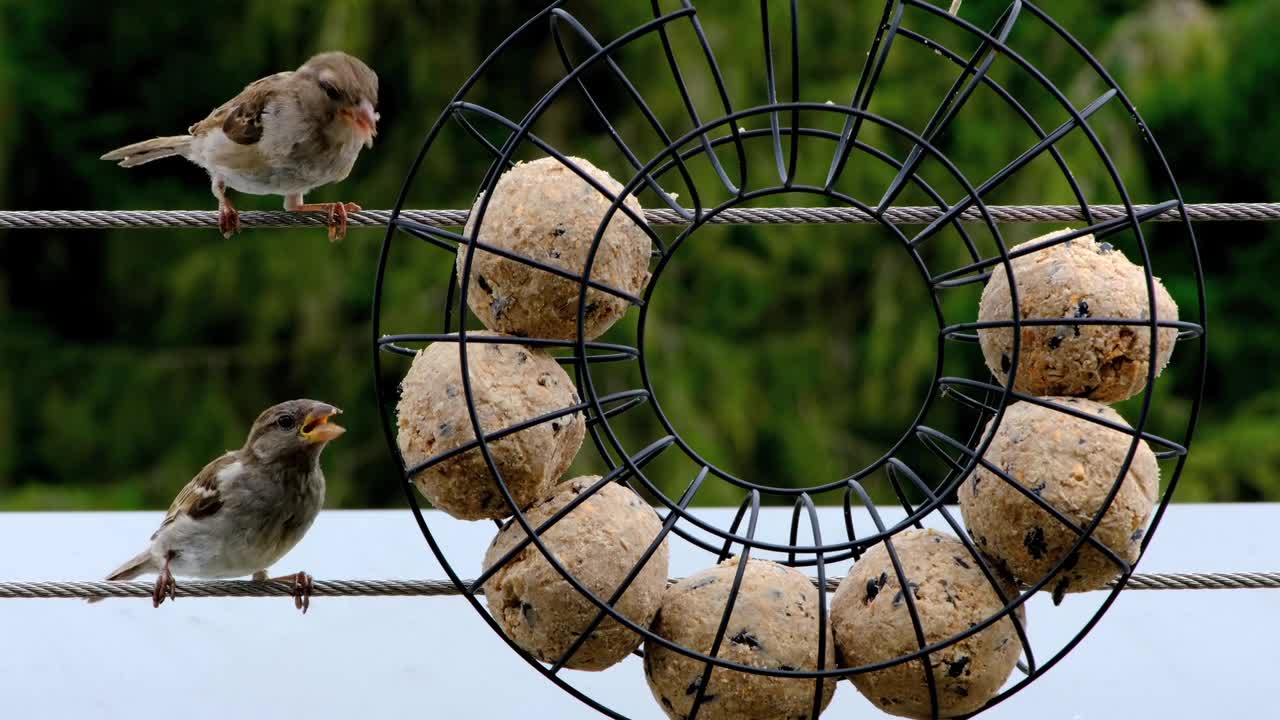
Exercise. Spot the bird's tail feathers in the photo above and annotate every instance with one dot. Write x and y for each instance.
(148, 150)
(139, 564)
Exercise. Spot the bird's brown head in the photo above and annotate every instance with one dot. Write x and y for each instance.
(293, 429)
(350, 87)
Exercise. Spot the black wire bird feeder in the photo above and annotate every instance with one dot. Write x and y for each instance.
(778, 124)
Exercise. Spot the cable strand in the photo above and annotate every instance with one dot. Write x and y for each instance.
(442, 588)
(193, 219)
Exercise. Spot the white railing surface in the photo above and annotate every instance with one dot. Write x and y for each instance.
(386, 656)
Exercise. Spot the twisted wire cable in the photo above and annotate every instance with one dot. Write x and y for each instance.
(440, 588)
(191, 219)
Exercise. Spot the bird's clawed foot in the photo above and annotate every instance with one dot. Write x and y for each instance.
(338, 219)
(166, 586)
(303, 586)
(335, 212)
(228, 219)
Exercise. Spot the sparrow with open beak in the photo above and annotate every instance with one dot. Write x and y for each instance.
(246, 509)
(285, 134)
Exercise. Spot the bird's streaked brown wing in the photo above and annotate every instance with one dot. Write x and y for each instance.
(240, 118)
(199, 498)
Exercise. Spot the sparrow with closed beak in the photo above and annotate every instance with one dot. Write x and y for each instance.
(285, 134)
(246, 509)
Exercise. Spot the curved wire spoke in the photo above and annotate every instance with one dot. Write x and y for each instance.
(961, 90)
(1184, 326)
(725, 103)
(1013, 167)
(864, 212)
(901, 494)
(983, 406)
(398, 349)
(815, 530)
(444, 239)
(1187, 330)
(786, 169)
(1068, 410)
(771, 91)
(753, 503)
(907, 588)
(795, 93)
(620, 353)
(850, 531)
(689, 105)
(479, 137)
(396, 340)
(634, 402)
(1099, 231)
(559, 15)
(876, 58)
(1086, 211)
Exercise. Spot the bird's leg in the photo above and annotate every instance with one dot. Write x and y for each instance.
(165, 585)
(303, 585)
(228, 218)
(336, 211)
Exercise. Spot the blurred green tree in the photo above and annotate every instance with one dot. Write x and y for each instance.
(129, 358)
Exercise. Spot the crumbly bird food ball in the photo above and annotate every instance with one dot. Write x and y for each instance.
(1072, 465)
(599, 541)
(544, 211)
(1080, 278)
(774, 624)
(511, 384)
(871, 622)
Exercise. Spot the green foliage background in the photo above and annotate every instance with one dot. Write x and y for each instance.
(791, 355)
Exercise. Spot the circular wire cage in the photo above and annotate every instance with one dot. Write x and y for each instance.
(496, 141)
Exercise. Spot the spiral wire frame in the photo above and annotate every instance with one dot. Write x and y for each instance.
(707, 138)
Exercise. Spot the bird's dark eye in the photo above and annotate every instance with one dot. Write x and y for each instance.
(286, 422)
(330, 90)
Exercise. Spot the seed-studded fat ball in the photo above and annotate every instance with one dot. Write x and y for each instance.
(1079, 278)
(1072, 465)
(774, 624)
(511, 384)
(544, 211)
(599, 542)
(872, 623)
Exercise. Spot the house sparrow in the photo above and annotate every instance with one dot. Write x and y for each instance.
(246, 509)
(285, 134)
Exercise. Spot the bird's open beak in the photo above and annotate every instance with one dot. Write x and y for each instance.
(365, 119)
(317, 428)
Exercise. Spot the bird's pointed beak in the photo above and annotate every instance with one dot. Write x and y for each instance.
(366, 118)
(317, 428)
